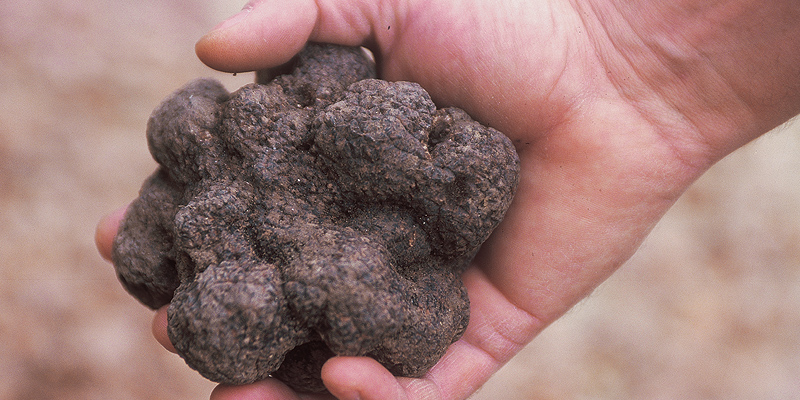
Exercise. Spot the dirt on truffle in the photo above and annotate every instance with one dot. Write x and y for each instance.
(324, 212)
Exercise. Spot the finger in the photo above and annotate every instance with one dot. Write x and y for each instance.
(268, 33)
(159, 328)
(269, 389)
(264, 34)
(360, 378)
(263, 390)
(106, 230)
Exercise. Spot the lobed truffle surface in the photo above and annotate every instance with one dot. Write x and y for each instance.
(323, 212)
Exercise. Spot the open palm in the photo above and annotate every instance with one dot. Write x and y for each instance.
(614, 109)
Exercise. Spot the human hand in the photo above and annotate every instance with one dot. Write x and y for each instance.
(614, 107)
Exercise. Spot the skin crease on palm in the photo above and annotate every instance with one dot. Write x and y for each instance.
(615, 108)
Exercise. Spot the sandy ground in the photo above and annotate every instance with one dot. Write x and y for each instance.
(707, 309)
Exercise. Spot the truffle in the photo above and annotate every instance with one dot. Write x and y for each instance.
(323, 212)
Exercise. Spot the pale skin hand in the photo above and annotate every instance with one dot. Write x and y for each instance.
(614, 106)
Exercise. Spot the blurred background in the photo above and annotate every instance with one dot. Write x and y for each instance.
(709, 308)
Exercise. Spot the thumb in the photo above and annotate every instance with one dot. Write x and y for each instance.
(265, 33)
(268, 33)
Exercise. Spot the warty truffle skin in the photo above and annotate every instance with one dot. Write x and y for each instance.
(323, 212)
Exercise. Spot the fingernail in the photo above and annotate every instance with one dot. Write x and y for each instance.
(354, 396)
(235, 19)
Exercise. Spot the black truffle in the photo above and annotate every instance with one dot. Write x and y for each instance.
(324, 212)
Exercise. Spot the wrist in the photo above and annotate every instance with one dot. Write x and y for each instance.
(712, 76)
